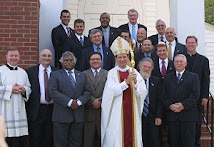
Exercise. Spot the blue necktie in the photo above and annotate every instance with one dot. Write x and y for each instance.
(72, 78)
(146, 103)
(81, 41)
(134, 34)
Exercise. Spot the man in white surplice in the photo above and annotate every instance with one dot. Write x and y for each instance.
(14, 91)
(121, 107)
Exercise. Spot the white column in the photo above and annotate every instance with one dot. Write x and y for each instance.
(187, 17)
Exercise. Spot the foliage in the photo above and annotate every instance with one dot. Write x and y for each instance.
(209, 11)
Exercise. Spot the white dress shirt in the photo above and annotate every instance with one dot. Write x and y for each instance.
(42, 84)
(166, 64)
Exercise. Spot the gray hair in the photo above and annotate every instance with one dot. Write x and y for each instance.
(146, 60)
(68, 53)
(181, 55)
(94, 31)
(132, 10)
(156, 23)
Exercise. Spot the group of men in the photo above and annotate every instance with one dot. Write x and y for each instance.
(92, 97)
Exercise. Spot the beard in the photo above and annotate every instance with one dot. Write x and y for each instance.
(145, 75)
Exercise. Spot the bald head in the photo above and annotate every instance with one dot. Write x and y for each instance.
(141, 35)
(170, 34)
(45, 57)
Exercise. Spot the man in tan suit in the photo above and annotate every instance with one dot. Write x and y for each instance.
(97, 78)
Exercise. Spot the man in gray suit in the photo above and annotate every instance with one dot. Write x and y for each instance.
(97, 78)
(70, 90)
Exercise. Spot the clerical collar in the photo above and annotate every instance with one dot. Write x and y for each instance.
(11, 67)
(192, 54)
(122, 69)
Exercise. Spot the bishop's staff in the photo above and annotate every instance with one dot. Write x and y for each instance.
(132, 45)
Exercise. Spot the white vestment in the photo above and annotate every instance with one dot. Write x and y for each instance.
(111, 116)
(12, 106)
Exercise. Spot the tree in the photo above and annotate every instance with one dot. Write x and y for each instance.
(209, 11)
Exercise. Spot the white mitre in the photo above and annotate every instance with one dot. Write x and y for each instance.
(120, 46)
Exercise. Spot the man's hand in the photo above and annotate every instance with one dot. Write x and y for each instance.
(158, 121)
(74, 105)
(132, 77)
(204, 101)
(17, 89)
(96, 103)
(177, 107)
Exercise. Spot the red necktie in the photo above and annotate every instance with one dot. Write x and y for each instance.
(163, 69)
(47, 97)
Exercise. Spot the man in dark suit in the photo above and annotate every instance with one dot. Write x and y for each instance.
(160, 36)
(108, 60)
(77, 41)
(60, 34)
(132, 25)
(152, 112)
(109, 33)
(173, 46)
(40, 105)
(198, 64)
(162, 65)
(141, 36)
(182, 90)
(146, 51)
(97, 78)
(70, 90)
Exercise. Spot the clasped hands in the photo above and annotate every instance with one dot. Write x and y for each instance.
(97, 103)
(74, 104)
(132, 77)
(17, 89)
(177, 107)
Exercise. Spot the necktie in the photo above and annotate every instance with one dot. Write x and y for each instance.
(134, 35)
(81, 41)
(72, 78)
(161, 39)
(68, 31)
(140, 46)
(47, 97)
(179, 76)
(146, 103)
(106, 39)
(98, 49)
(163, 69)
(170, 51)
(96, 74)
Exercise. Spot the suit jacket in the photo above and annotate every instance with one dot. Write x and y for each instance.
(113, 34)
(156, 71)
(186, 91)
(140, 55)
(62, 91)
(155, 99)
(154, 39)
(201, 67)
(58, 37)
(73, 44)
(97, 86)
(33, 104)
(109, 60)
(180, 49)
(126, 27)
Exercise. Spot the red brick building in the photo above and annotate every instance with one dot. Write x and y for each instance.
(19, 27)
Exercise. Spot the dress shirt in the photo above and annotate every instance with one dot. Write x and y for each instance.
(101, 51)
(78, 101)
(173, 44)
(64, 26)
(106, 32)
(94, 71)
(130, 29)
(41, 83)
(166, 64)
(148, 54)
(159, 38)
(78, 37)
(181, 73)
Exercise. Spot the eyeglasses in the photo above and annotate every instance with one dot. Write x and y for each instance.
(94, 59)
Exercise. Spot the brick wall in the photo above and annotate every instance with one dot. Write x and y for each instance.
(19, 26)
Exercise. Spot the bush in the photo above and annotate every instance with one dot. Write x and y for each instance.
(209, 11)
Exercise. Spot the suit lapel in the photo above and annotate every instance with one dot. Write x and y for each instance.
(183, 77)
(67, 79)
(91, 76)
(97, 81)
